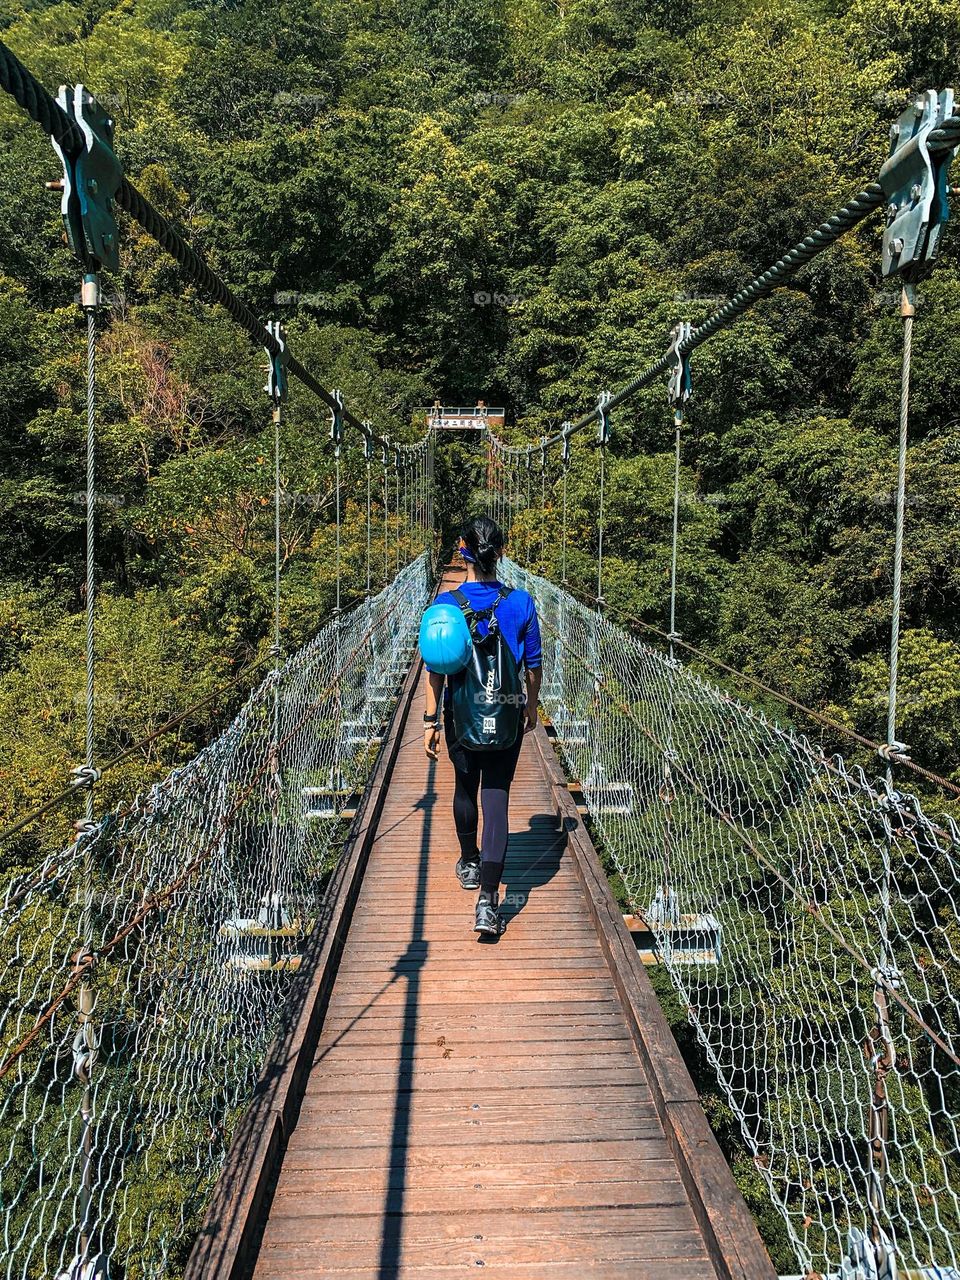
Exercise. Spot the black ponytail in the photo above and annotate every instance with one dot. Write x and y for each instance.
(484, 540)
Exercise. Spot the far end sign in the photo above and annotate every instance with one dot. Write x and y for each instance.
(463, 417)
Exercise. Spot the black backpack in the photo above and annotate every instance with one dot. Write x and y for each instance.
(487, 696)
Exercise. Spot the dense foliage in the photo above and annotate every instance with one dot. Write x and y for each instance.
(507, 199)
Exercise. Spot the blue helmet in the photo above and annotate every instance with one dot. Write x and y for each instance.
(445, 641)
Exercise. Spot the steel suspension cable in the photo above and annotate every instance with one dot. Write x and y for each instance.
(939, 141)
(42, 108)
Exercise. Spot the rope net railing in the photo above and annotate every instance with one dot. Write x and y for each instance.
(807, 916)
(145, 967)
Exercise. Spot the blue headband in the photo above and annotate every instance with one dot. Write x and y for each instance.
(465, 553)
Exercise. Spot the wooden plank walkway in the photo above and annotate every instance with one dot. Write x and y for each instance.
(516, 1105)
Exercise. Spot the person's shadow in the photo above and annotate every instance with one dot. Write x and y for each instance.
(533, 859)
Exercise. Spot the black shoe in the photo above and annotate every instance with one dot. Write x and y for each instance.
(488, 917)
(468, 873)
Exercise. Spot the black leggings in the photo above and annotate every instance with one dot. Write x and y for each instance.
(490, 773)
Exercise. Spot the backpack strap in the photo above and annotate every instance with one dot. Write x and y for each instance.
(462, 601)
(501, 596)
(474, 615)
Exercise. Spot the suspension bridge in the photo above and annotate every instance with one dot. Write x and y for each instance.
(247, 1030)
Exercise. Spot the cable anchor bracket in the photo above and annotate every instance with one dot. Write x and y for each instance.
(336, 420)
(603, 417)
(276, 384)
(91, 180)
(565, 428)
(917, 188)
(680, 386)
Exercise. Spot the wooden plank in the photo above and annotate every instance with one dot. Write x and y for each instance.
(307, 1268)
(487, 965)
(347, 1169)
(597, 1235)
(442, 1017)
(527, 1108)
(455, 1077)
(372, 1130)
(617, 1188)
(545, 1022)
(669, 1232)
(348, 1058)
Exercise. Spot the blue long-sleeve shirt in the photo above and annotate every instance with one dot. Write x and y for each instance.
(517, 616)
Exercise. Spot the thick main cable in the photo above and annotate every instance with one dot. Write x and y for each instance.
(46, 111)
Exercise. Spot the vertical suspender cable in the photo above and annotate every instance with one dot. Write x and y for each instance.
(603, 437)
(386, 521)
(565, 466)
(563, 525)
(368, 526)
(91, 544)
(424, 499)
(368, 461)
(85, 1044)
(274, 779)
(527, 512)
(276, 531)
(880, 1042)
(678, 421)
(336, 456)
(407, 504)
(398, 513)
(600, 524)
(86, 994)
(907, 310)
(491, 482)
(669, 909)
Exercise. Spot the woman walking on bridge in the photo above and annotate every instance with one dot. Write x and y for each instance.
(486, 708)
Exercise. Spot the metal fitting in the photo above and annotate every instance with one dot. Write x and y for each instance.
(84, 775)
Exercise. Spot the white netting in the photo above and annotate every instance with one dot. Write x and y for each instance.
(808, 918)
(197, 903)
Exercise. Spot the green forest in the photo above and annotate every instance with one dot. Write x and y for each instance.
(512, 200)
(455, 200)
